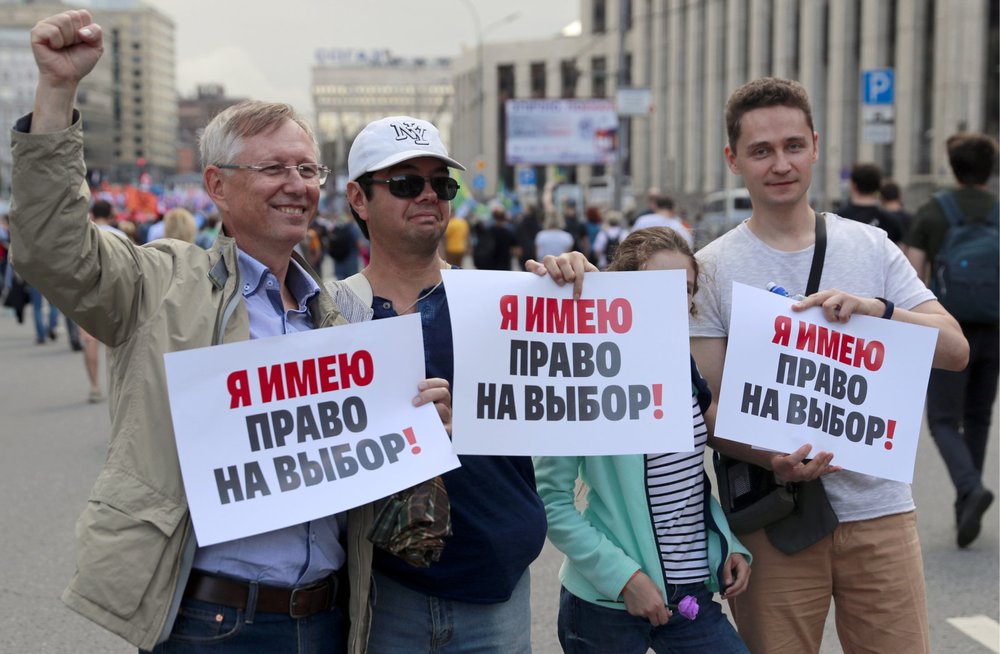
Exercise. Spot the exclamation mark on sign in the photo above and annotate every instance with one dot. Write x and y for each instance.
(658, 401)
(411, 438)
(892, 428)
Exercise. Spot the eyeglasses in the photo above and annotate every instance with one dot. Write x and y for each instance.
(410, 186)
(312, 174)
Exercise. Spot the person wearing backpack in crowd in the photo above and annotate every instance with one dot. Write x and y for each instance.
(608, 239)
(892, 202)
(593, 226)
(500, 237)
(866, 179)
(960, 226)
(573, 226)
(344, 246)
(526, 227)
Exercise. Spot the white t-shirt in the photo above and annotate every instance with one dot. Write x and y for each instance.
(552, 241)
(658, 220)
(860, 259)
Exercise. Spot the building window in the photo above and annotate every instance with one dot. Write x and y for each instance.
(505, 82)
(599, 16)
(568, 74)
(599, 77)
(538, 79)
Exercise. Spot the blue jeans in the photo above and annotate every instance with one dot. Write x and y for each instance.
(587, 628)
(204, 627)
(407, 622)
(960, 406)
(41, 328)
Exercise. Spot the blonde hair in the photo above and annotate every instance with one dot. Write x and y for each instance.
(179, 223)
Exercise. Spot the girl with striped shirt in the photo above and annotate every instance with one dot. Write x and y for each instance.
(651, 533)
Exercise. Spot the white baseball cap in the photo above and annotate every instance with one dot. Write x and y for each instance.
(389, 141)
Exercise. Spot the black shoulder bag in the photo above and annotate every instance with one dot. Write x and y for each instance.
(794, 515)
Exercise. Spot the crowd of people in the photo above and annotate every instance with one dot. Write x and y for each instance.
(651, 551)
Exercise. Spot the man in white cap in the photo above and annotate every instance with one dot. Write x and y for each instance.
(476, 598)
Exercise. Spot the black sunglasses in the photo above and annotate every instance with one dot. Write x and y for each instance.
(410, 186)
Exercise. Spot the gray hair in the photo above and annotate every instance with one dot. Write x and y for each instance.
(222, 139)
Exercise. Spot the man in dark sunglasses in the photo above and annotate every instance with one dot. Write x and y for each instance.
(477, 595)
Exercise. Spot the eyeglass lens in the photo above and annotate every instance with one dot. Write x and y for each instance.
(410, 186)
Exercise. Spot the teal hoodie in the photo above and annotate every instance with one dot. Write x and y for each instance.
(613, 537)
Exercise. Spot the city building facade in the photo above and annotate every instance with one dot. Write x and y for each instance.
(128, 103)
(140, 40)
(19, 77)
(691, 54)
(351, 88)
(193, 114)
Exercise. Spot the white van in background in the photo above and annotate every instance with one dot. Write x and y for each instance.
(720, 212)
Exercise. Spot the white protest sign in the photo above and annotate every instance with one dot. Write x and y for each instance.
(274, 432)
(537, 373)
(855, 389)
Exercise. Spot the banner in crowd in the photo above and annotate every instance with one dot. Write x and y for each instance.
(855, 389)
(272, 432)
(539, 373)
(566, 132)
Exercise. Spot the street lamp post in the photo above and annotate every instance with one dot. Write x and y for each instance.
(480, 94)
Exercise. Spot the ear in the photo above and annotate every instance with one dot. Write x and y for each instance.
(815, 147)
(731, 160)
(215, 186)
(356, 198)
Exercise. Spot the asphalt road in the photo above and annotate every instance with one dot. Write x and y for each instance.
(55, 444)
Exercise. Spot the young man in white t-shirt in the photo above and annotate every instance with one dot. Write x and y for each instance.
(871, 563)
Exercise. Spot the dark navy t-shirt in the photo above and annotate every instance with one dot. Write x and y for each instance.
(498, 520)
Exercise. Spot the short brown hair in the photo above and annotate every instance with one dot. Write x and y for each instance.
(638, 248)
(761, 93)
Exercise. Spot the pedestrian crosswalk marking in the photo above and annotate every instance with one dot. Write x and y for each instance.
(980, 628)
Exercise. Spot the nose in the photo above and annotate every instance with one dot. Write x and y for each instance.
(781, 164)
(294, 179)
(427, 193)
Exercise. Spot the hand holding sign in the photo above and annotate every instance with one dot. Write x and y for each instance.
(853, 390)
(544, 373)
(839, 306)
(566, 268)
(435, 390)
(273, 432)
(794, 467)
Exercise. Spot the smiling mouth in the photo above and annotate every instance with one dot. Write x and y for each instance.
(291, 211)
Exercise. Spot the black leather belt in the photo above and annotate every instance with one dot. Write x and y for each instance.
(300, 602)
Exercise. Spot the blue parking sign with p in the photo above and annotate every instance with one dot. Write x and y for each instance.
(877, 86)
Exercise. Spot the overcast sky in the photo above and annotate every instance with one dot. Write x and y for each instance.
(268, 53)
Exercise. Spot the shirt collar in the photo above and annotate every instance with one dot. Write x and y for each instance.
(254, 274)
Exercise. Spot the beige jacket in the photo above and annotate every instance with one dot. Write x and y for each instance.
(135, 542)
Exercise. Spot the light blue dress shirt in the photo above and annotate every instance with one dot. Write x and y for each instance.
(306, 552)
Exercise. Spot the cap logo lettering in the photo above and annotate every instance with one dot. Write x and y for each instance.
(411, 131)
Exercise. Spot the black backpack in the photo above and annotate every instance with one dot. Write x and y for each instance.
(341, 241)
(611, 247)
(966, 275)
(485, 247)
